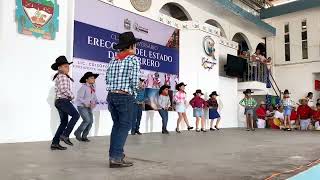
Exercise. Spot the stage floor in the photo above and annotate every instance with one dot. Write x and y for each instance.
(230, 154)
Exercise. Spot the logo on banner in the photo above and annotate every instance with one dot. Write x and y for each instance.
(127, 24)
(209, 49)
(139, 28)
(141, 5)
(38, 18)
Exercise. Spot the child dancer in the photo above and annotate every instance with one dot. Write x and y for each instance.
(213, 110)
(287, 105)
(86, 102)
(164, 106)
(198, 104)
(63, 103)
(249, 104)
(181, 105)
(316, 117)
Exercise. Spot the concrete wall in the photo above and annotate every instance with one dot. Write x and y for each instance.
(27, 93)
(296, 75)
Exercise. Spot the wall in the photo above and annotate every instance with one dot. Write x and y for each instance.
(27, 94)
(25, 64)
(296, 75)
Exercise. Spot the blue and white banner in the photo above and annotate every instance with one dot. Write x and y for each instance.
(96, 29)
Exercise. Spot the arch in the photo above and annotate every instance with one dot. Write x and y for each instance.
(243, 41)
(176, 11)
(215, 23)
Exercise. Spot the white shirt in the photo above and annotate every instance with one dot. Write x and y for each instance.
(279, 115)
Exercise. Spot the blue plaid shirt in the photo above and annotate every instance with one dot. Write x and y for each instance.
(123, 75)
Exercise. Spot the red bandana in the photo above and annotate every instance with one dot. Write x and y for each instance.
(121, 56)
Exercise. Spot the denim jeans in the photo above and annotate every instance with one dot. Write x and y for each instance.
(85, 126)
(121, 109)
(164, 115)
(65, 109)
(136, 118)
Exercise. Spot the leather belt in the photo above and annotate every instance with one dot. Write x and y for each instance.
(120, 92)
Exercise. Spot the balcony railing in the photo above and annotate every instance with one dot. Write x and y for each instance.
(255, 71)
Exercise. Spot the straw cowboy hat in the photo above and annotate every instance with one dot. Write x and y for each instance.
(126, 39)
(87, 75)
(61, 60)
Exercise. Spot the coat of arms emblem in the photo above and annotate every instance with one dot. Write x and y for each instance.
(38, 18)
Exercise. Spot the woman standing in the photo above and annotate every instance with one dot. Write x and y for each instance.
(181, 106)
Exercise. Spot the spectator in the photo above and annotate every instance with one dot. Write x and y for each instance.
(261, 114)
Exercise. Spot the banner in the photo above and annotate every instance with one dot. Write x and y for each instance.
(97, 26)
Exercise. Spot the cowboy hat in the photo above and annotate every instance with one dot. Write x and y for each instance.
(214, 93)
(141, 79)
(126, 39)
(198, 91)
(262, 103)
(162, 88)
(179, 85)
(247, 91)
(60, 61)
(87, 75)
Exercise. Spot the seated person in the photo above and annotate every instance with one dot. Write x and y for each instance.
(316, 117)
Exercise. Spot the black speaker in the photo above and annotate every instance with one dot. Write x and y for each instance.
(236, 66)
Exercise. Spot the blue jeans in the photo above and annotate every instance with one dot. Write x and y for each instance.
(136, 118)
(164, 115)
(65, 109)
(85, 126)
(121, 109)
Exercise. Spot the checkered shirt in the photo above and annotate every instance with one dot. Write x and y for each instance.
(248, 102)
(63, 87)
(123, 75)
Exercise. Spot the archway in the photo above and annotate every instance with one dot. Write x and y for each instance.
(244, 44)
(218, 25)
(176, 11)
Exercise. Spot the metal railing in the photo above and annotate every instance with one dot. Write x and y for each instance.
(255, 71)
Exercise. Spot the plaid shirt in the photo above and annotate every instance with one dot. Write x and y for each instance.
(123, 75)
(63, 87)
(248, 102)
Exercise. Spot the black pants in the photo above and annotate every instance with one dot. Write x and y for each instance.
(65, 109)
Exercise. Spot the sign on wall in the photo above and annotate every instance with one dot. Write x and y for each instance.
(38, 18)
(317, 85)
(96, 30)
(210, 60)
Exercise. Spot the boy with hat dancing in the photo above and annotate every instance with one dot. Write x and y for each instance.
(63, 103)
(122, 80)
(249, 103)
(86, 102)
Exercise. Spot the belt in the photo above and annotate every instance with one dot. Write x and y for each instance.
(120, 92)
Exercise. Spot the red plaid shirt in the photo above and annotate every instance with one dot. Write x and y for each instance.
(63, 87)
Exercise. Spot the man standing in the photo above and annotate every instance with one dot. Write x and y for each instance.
(122, 79)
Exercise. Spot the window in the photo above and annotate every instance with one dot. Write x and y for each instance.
(304, 37)
(286, 42)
